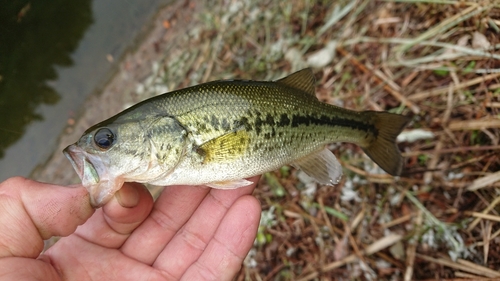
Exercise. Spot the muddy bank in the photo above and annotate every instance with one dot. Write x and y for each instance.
(134, 81)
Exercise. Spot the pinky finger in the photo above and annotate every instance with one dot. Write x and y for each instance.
(225, 253)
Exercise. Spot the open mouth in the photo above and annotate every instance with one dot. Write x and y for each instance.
(88, 174)
(84, 168)
(76, 158)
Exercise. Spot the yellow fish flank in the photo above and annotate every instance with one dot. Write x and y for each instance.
(219, 133)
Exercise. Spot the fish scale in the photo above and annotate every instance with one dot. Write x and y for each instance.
(220, 132)
(276, 128)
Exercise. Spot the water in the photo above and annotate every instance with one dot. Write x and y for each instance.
(53, 54)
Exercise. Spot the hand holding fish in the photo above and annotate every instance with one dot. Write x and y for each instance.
(189, 233)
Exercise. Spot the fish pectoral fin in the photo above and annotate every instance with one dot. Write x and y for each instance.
(323, 166)
(225, 148)
(303, 80)
(229, 184)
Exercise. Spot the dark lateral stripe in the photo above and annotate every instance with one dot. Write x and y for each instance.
(323, 120)
(285, 120)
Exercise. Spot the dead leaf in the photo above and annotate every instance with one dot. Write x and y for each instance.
(479, 41)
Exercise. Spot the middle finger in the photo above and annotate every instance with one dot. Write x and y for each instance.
(173, 208)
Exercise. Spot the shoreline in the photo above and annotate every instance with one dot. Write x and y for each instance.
(120, 89)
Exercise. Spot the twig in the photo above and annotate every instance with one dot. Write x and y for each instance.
(371, 249)
(452, 150)
(432, 164)
(463, 265)
(397, 221)
(486, 240)
(461, 50)
(441, 90)
(469, 277)
(484, 181)
(483, 216)
(474, 124)
(415, 109)
(487, 210)
(412, 248)
(336, 16)
(445, 25)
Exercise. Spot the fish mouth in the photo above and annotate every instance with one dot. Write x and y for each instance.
(78, 160)
(99, 187)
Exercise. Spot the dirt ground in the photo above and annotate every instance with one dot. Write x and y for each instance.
(436, 61)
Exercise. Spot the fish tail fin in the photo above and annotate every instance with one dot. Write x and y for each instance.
(383, 149)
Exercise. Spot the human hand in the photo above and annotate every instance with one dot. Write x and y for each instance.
(190, 233)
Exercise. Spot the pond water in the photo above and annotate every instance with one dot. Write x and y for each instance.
(53, 54)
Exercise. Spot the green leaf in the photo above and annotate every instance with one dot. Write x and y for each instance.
(422, 159)
(470, 67)
(441, 72)
(333, 212)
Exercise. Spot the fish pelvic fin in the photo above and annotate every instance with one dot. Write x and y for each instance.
(229, 184)
(383, 149)
(302, 80)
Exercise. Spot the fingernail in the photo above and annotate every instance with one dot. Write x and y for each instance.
(128, 196)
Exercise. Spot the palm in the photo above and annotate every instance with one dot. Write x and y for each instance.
(191, 233)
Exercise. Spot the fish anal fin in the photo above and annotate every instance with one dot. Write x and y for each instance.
(323, 166)
(303, 80)
(229, 184)
(383, 149)
(225, 148)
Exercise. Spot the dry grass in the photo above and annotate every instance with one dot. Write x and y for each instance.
(437, 61)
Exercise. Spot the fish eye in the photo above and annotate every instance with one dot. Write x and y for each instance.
(104, 138)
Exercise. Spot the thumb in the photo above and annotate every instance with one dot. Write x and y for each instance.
(31, 211)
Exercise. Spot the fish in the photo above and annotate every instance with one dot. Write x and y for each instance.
(219, 133)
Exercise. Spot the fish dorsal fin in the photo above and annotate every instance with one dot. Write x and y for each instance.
(322, 166)
(302, 80)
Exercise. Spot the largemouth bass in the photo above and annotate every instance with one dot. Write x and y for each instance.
(220, 132)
